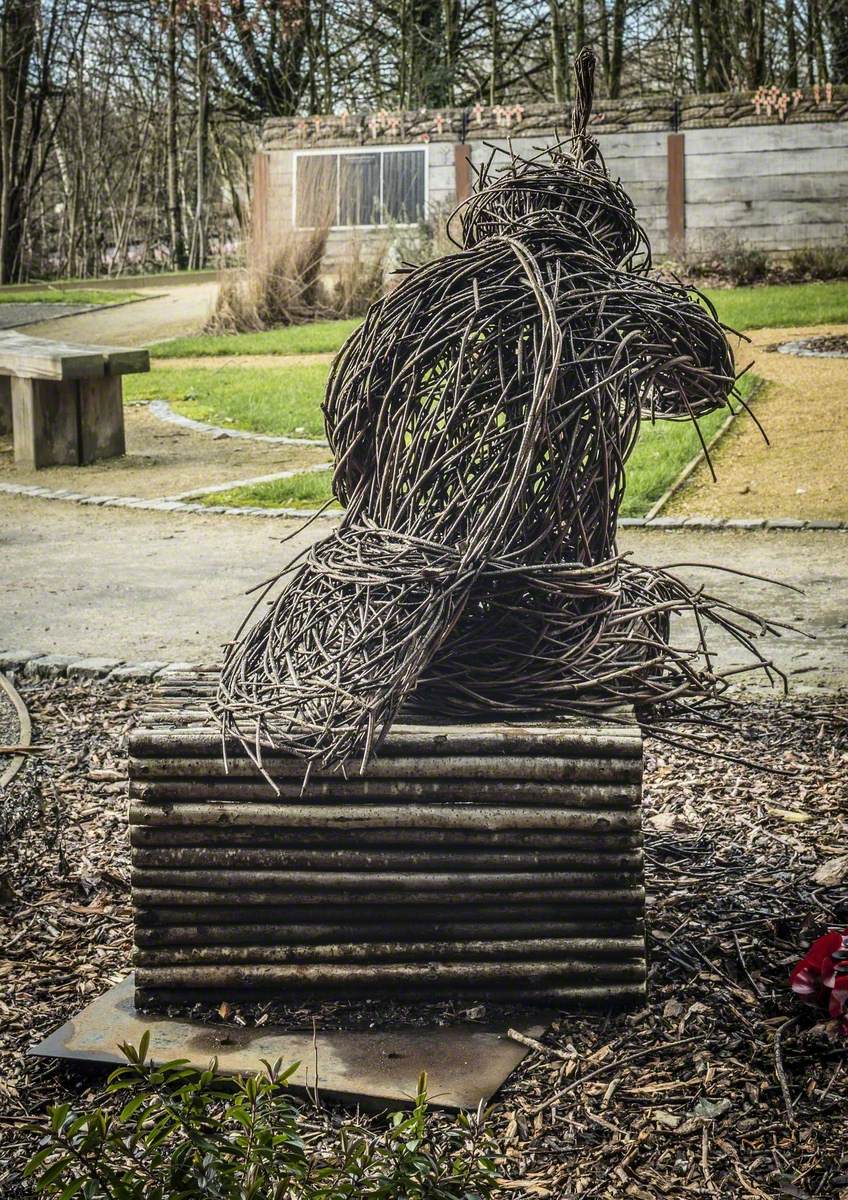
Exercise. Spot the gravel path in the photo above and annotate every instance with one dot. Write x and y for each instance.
(144, 586)
(801, 473)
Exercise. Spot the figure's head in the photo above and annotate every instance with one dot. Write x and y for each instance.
(559, 192)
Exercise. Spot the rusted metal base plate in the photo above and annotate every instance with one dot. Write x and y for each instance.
(465, 1063)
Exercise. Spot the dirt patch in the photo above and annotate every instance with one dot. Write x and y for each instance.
(801, 473)
(165, 460)
(210, 361)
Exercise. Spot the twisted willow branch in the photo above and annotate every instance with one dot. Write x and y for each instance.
(481, 419)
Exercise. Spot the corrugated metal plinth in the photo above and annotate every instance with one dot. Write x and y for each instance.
(500, 860)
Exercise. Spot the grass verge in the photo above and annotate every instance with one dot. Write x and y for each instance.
(68, 296)
(321, 337)
(308, 490)
(284, 402)
(662, 451)
(781, 305)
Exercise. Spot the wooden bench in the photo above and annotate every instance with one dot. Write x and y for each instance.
(63, 404)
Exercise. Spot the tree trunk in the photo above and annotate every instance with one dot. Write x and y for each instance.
(603, 25)
(809, 45)
(559, 53)
(717, 46)
(619, 15)
(495, 49)
(175, 216)
(17, 46)
(202, 140)
(821, 57)
(791, 45)
(836, 15)
(698, 45)
(579, 25)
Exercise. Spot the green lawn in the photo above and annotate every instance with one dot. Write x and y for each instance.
(781, 304)
(68, 296)
(308, 490)
(662, 451)
(285, 402)
(322, 337)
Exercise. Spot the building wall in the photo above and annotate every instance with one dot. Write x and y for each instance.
(768, 178)
(771, 186)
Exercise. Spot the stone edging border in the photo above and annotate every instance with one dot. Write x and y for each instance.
(30, 665)
(32, 491)
(163, 411)
(798, 348)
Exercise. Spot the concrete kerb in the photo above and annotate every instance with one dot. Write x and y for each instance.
(164, 504)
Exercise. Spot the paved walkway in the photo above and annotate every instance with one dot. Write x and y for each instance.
(170, 311)
(21, 316)
(119, 583)
(801, 473)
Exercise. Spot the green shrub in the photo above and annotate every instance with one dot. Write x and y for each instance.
(818, 262)
(730, 260)
(183, 1134)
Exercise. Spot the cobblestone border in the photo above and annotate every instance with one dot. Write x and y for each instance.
(30, 665)
(32, 491)
(162, 410)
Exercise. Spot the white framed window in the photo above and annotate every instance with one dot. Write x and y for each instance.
(360, 188)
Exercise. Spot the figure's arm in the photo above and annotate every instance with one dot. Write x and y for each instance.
(681, 360)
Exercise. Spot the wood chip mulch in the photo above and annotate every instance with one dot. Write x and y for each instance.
(723, 1086)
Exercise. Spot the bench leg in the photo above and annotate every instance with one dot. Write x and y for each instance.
(5, 406)
(45, 418)
(101, 419)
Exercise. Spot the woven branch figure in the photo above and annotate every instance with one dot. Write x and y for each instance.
(481, 419)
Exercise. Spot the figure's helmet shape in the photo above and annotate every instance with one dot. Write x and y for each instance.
(480, 419)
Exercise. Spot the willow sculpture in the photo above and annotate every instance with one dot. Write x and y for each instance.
(481, 419)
